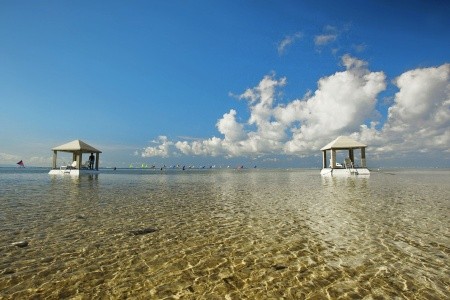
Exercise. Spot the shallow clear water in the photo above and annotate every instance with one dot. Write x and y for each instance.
(225, 234)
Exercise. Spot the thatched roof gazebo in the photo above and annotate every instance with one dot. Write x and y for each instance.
(77, 148)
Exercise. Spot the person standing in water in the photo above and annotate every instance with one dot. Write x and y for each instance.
(91, 161)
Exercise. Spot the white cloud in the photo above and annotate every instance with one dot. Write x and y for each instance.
(359, 48)
(8, 158)
(287, 41)
(161, 150)
(422, 95)
(40, 161)
(230, 128)
(344, 103)
(329, 35)
(209, 147)
(419, 119)
(324, 39)
(261, 100)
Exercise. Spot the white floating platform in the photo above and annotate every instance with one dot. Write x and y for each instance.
(345, 172)
(73, 172)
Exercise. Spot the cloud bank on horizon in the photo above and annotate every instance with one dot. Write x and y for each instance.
(344, 103)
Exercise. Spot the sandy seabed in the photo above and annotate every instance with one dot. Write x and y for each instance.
(225, 234)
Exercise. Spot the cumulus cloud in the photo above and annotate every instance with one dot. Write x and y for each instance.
(419, 119)
(344, 103)
(287, 41)
(230, 128)
(162, 149)
(261, 100)
(209, 147)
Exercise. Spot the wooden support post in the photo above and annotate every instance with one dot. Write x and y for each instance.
(78, 160)
(363, 157)
(97, 156)
(333, 158)
(54, 159)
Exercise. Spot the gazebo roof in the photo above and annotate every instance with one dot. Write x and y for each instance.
(343, 142)
(76, 146)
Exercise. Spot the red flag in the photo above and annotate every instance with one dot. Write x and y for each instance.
(20, 163)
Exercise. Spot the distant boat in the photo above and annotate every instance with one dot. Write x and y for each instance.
(21, 164)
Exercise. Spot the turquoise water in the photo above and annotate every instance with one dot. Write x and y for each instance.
(225, 234)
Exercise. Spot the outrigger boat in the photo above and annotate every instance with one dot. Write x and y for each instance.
(348, 167)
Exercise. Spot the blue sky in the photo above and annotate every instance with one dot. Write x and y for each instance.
(264, 83)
